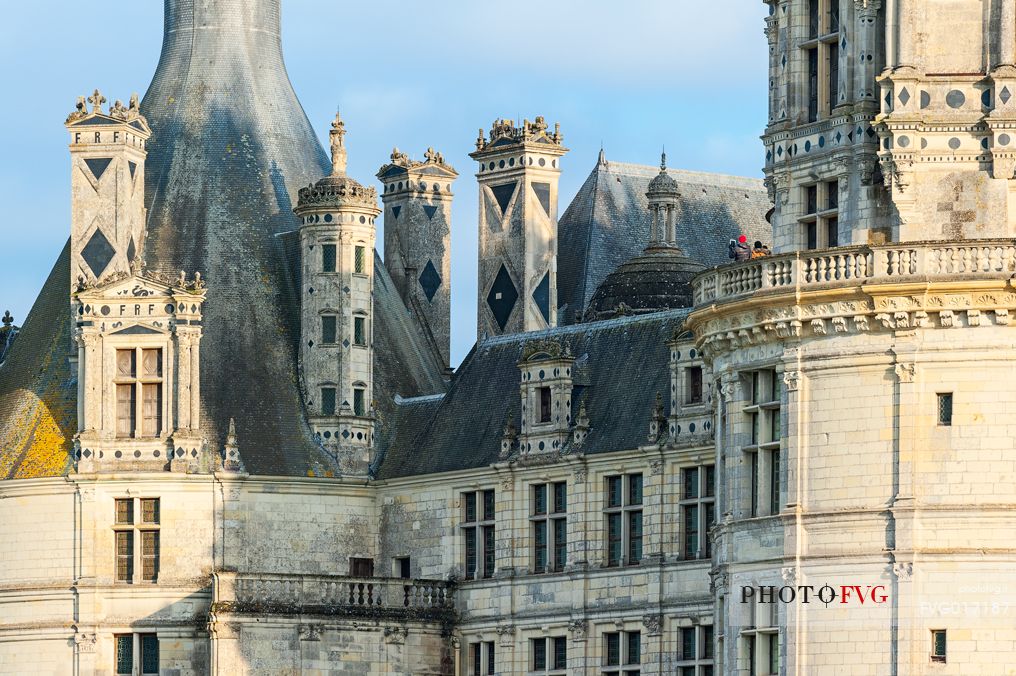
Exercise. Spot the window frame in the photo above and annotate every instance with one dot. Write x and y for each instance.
(135, 530)
(703, 661)
(820, 47)
(764, 450)
(481, 528)
(703, 501)
(360, 259)
(549, 646)
(360, 330)
(819, 221)
(944, 402)
(138, 383)
(548, 518)
(624, 664)
(333, 259)
(481, 657)
(934, 655)
(625, 514)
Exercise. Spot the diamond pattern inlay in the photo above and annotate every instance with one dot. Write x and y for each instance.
(430, 210)
(98, 253)
(541, 294)
(542, 191)
(904, 96)
(430, 280)
(502, 297)
(503, 194)
(1005, 95)
(98, 166)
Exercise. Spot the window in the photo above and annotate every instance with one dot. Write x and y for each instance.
(360, 331)
(360, 260)
(763, 451)
(359, 403)
(945, 408)
(328, 258)
(760, 642)
(127, 532)
(134, 387)
(548, 516)
(549, 655)
(361, 567)
(481, 658)
(696, 651)
(820, 220)
(623, 516)
(698, 510)
(545, 404)
(693, 390)
(327, 401)
(822, 53)
(401, 568)
(145, 647)
(328, 329)
(478, 533)
(938, 645)
(622, 653)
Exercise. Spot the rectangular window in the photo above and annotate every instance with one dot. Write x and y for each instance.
(539, 648)
(774, 481)
(359, 403)
(328, 258)
(149, 654)
(402, 567)
(774, 653)
(698, 509)
(478, 533)
(938, 645)
(813, 85)
(763, 452)
(127, 534)
(329, 329)
(359, 567)
(549, 655)
(327, 401)
(124, 654)
(832, 225)
(360, 260)
(623, 519)
(814, 12)
(622, 653)
(945, 409)
(833, 55)
(811, 235)
(545, 404)
(549, 526)
(481, 658)
(822, 54)
(694, 391)
(130, 383)
(360, 331)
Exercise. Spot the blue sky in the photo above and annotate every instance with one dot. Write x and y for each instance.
(634, 76)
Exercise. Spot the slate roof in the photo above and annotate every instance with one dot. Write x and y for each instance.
(231, 146)
(620, 366)
(608, 223)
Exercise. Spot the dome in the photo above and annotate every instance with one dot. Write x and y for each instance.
(657, 279)
(663, 182)
(334, 192)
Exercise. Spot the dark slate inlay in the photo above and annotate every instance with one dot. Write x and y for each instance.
(98, 253)
(430, 210)
(503, 194)
(1005, 95)
(135, 331)
(502, 296)
(98, 166)
(955, 99)
(541, 294)
(986, 98)
(542, 191)
(925, 100)
(904, 96)
(396, 211)
(131, 250)
(132, 166)
(430, 280)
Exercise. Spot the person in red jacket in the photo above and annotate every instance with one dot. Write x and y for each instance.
(739, 250)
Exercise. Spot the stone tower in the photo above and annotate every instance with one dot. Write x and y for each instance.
(336, 339)
(948, 96)
(821, 161)
(417, 200)
(518, 175)
(107, 187)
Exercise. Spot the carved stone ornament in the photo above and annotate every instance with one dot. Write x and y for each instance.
(580, 475)
(310, 632)
(905, 372)
(903, 570)
(653, 624)
(396, 635)
(578, 629)
(790, 380)
(85, 643)
(506, 635)
(789, 575)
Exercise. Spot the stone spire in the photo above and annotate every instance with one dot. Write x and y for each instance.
(338, 142)
(663, 197)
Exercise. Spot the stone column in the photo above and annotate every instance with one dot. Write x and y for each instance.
(866, 40)
(183, 378)
(907, 24)
(1007, 34)
(772, 32)
(671, 225)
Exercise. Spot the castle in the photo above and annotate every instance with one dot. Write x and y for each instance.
(231, 442)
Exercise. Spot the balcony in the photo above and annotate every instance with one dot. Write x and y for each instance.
(366, 597)
(904, 263)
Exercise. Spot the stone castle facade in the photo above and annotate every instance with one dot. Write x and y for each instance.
(264, 464)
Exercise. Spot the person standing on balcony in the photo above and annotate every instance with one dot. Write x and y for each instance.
(760, 250)
(739, 250)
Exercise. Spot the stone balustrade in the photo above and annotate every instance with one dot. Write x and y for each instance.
(888, 264)
(332, 594)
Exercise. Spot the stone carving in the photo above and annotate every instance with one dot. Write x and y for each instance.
(580, 475)
(903, 570)
(310, 632)
(581, 429)
(578, 629)
(945, 318)
(506, 635)
(96, 99)
(973, 317)
(85, 643)
(905, 372)
(657, 420)
(395, 635)
(789, 575)
(656, 468)
(231, 461)
(508, 438)
(653, 624)
(550, 347)
(790, 380)
(839, 324)
(1002, 317)
(337, 141)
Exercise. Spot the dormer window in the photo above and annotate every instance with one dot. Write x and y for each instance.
(138, 392)
(360, 260)
(694, 391)
(545, 405)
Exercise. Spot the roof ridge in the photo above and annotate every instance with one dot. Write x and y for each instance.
(688, 173)
(583, 327)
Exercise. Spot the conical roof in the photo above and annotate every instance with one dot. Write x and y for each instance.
(231, 146)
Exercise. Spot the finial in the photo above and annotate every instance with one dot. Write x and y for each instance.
(8, 319)
(231, 435)
(602, 161)
(431, 155)
(97, 99)
(338, 144)
(663, 160)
